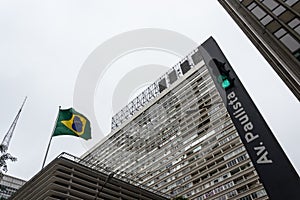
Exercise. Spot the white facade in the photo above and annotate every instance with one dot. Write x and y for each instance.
(182, 142)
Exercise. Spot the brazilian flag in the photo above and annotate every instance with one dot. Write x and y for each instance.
(70, 122)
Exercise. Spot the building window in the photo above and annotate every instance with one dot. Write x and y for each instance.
(248, 197)
(271, 4)
(296, 7)
(286, 16)
(279, 10)
(273, 26)
(246, 2)
(297, 54)
(258, 12)
(297, 29)
(280, 33)
(267, 19)
(290, 42)
(251, 6)
(261, 193)
(295, 22)
(291, 2)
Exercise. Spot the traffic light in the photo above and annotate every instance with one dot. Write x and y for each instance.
(222, 75)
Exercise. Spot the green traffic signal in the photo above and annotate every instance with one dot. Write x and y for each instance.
(224, 81)
(222, 74)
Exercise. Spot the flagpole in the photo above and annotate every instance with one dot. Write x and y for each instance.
(50, 139)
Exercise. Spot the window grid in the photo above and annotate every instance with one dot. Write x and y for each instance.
(199, 154)
(269, 11)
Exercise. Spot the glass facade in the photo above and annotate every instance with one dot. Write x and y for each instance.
(183, 142)
(270, 11)
(274, 28)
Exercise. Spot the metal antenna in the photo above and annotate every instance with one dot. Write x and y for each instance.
(7, 137)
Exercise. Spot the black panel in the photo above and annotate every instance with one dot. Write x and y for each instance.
(185, 67)
(276, 173)
(172, 76)
(162, 85)
(196, 57)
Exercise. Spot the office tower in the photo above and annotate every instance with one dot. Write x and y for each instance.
(9, 185)
(273, 26)
(68, 177)
(196, 133)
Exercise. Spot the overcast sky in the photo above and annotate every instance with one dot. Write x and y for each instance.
(43, 45)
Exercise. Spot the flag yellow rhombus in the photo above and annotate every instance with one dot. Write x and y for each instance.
(76, 124)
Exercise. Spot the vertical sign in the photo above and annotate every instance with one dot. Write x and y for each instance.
(276, 173)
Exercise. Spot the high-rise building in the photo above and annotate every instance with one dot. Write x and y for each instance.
(273, 26)
(196, 133)
(9, 185)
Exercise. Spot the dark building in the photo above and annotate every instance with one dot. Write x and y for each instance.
(273, 26)
(68, 177)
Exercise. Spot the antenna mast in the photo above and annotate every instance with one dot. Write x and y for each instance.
(5, 143)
